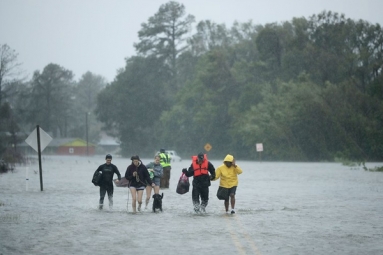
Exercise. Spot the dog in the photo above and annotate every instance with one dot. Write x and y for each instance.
(157, 202)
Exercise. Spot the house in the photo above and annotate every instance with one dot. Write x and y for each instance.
(108, 144)
(62, 146)
(74, 146)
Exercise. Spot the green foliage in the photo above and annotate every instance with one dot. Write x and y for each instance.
(309, 90)
(50, 99)
(131, 105)
(163, 36)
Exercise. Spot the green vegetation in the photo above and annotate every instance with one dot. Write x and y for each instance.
(310, 89)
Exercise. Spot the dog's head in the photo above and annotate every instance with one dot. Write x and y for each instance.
(158, 196)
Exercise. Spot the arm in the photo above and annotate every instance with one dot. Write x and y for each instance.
(128, 174)
(117, 172)
(188, 172)
(217, 174)
(211, 171)
(98, 169)
(237, 169)
(150, 165)
(145, 172)
(158, 171)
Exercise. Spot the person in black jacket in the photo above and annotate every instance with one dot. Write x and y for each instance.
(200, 169)
(138, 177)
(106, 182)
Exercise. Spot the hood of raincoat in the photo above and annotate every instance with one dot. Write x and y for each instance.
(228, 158)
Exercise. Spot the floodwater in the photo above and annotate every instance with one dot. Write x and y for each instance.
(282, 208)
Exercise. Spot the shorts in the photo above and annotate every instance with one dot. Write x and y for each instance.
(138, 188)
(232, 190)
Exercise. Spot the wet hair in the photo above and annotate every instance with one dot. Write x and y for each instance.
(200, 156)
(135, 157)
(108, 156)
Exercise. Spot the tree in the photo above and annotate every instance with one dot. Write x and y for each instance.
(85, 102)
(130, 107)
(163, 36)
(9, 68)
(50, 98)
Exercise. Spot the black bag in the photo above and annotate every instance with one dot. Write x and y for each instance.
(183, 184)
(222, 193)
(96, 180)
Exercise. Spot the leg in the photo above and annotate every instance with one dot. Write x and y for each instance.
(232, 198)
(156, 189)
(110, 196)
(139, 198)
(204, 198)
(232, 201)
(162, 181)
(134, 198)
(226, 203)
(102, 196)
(195, 199)
(148, 194)
(167, 177)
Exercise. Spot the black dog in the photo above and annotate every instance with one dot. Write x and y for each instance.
(157, 202)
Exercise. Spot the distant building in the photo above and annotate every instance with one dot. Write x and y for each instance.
(108, 144)
(75, 147)
(63, 146)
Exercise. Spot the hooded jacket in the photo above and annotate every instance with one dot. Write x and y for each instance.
(228, 175)
(143, 175)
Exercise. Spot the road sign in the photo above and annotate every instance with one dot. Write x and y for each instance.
(45, 139)
(259, 146)
(208, 147)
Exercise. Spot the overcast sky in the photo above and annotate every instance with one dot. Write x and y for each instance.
(97, 35)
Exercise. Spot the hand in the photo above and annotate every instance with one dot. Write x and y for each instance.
(117, 181)
(184, 170)
(212, 177)
(153, 184)
(234, 163)
(134, 174)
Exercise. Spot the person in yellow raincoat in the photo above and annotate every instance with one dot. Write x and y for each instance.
(228, 172)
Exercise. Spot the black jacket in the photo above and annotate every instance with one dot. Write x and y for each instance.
(143, 175)
(107, 174)
(201, 181)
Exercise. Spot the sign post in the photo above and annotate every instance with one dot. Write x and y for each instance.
(259, 147)
(38, 140)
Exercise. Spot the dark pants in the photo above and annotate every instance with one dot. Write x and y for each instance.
(198, 192)
(164, 183)
(103, 190)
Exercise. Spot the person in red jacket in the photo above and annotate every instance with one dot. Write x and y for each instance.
(200, 169)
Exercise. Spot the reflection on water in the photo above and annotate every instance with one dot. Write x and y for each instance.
(282, 208)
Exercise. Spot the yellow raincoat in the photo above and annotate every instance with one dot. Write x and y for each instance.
(228, 175)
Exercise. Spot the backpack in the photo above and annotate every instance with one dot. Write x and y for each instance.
(96, 180)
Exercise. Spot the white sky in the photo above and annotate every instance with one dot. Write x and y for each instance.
(97, 35)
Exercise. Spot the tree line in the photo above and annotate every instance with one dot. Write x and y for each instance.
(309, 89)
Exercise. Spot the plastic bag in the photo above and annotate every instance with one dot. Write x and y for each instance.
(183, 184)
(222, 193)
